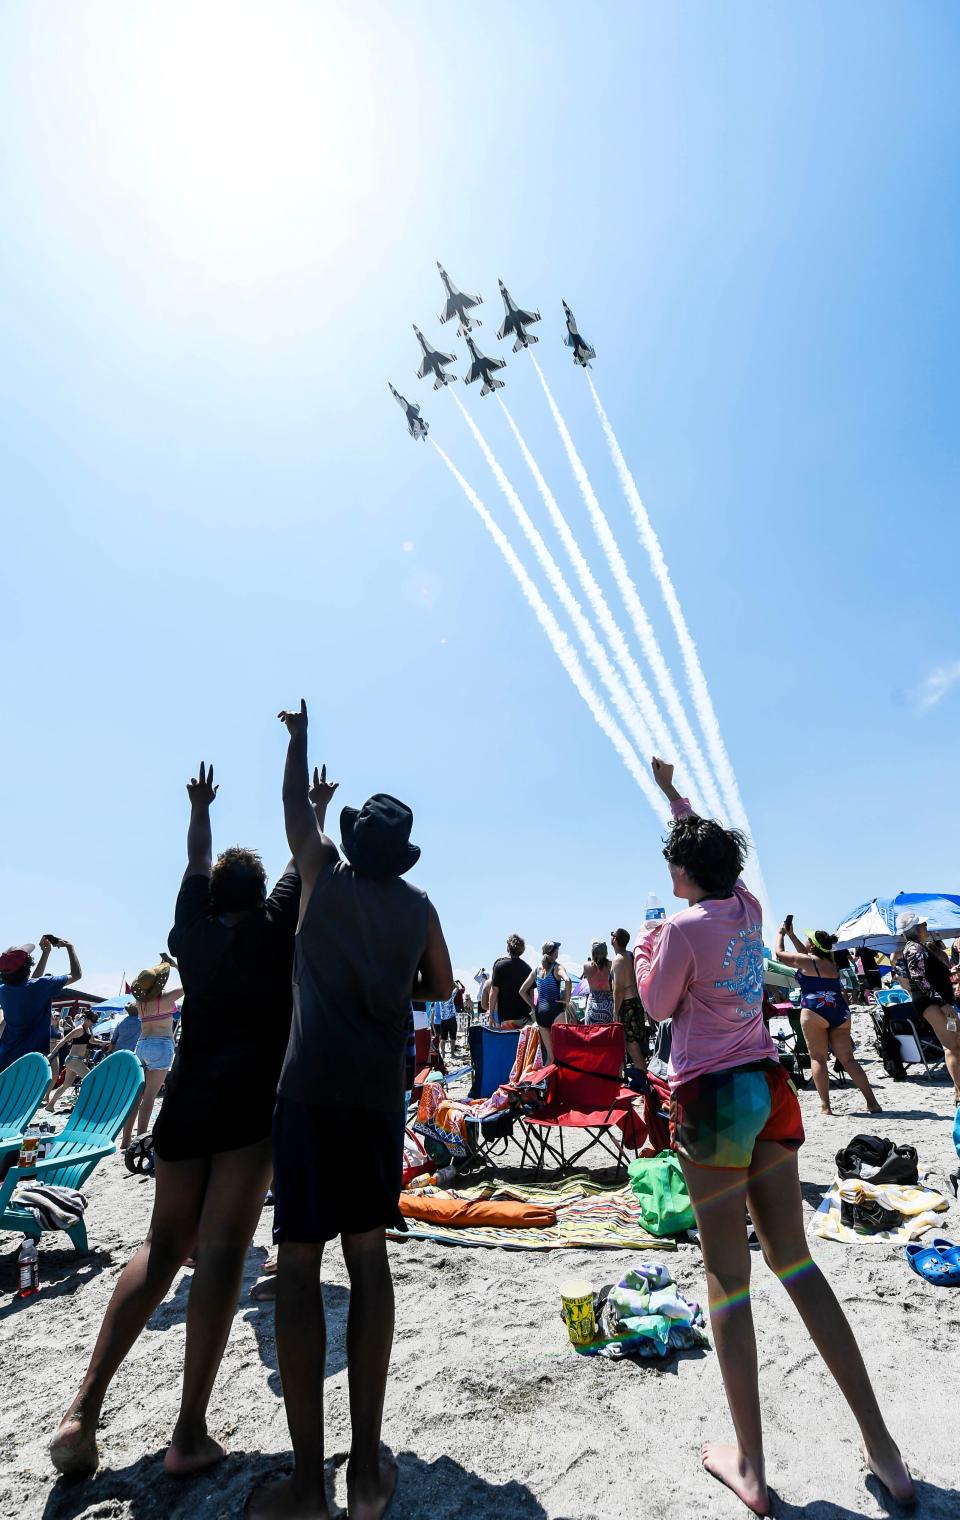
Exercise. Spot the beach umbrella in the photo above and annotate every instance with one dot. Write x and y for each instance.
(873, 926)
(110, 1013)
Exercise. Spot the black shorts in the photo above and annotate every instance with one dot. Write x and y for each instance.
(448, 1029)
(336, 1171)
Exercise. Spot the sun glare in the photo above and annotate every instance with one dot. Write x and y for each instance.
(248, 137)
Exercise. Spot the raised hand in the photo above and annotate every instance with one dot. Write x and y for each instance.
(322, 790)
(662, 773)
(296, 722)
(202, 792)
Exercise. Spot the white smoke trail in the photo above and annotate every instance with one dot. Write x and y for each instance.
(594, 649)
(645, 634)
(561, 646)
(696, 679)
(598, 603)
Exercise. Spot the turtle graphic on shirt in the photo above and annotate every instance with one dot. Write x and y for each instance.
(743, 961)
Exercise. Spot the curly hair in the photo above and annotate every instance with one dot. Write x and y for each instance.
(16, 978)
(515, 945)
(711, 855)
(238, 881)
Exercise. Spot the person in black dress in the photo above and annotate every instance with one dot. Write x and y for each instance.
(234, 948)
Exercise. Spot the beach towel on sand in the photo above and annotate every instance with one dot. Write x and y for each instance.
(588, 1215)
(919, 1206)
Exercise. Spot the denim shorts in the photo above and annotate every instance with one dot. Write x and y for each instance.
(155, 1051)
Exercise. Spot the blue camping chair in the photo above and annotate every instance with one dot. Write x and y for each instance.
(107, 1097)
(22, 1087)
(492, 1053)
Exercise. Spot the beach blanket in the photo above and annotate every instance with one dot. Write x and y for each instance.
(589, 1216)
(919, 1206)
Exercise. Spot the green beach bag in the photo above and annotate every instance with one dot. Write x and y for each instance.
(658, 1184)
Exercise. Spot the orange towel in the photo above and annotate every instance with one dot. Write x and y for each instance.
(448, 1209)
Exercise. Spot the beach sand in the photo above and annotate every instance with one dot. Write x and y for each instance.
(489, 1410)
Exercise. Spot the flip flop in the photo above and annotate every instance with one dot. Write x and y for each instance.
(932, 1267)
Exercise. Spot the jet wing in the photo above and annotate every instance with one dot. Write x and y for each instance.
(424, 370)
(473, 373)
(497, 363)
(525, 318)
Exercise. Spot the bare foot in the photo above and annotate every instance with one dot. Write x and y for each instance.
(370, 1496)
(284, 1501)
(727, 1465)
(828, 1113)
(183, 1458)
(73, 1449)
(893, 1474)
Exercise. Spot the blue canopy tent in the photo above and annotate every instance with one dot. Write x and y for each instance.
(110, 1013)
(873, 926)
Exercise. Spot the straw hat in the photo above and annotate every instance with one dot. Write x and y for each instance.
(150, 983)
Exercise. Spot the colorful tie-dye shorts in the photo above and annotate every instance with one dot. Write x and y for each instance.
(717, 1118)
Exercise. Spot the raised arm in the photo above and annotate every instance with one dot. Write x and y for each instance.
(663, 776)
(434, 978)
(40, 969)
(75, 972)
(800, 960)
(201, 792)
(309, 846)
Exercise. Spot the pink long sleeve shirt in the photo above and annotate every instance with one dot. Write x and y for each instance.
(704, 969)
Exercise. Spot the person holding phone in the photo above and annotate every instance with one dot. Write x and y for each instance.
(26, 1000)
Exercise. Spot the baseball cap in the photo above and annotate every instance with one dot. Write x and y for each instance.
(16, 957)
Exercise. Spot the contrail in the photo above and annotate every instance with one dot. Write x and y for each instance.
(561, 645)
(697, 681)
(598, 603)
(595, 650)
(641, 623)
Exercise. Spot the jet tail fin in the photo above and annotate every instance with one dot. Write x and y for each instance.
(491, 385)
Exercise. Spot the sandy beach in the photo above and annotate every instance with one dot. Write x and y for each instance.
(489, 1410)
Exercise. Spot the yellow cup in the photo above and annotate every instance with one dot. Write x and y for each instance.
(576, 1298)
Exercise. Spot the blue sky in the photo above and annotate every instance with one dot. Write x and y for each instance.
(218, 230)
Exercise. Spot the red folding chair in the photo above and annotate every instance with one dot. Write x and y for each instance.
(585, 1092)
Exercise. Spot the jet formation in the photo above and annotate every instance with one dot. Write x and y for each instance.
(516, 322)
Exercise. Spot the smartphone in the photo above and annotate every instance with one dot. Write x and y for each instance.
(788, 921)
(55, 941)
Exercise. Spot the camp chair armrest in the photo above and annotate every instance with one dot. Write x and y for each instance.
(536, 1075)
(56, 1163)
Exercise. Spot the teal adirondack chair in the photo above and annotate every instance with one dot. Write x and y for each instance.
(107, 1096)
(22, 1087)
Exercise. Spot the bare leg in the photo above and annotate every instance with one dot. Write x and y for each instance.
(302, 1352)
(950, 1040)
(142, 1285)
(842, 1046)
(719, 1202)
(815, 1032)
(777, 1213)
(231, 1207)
(546, 1040)
(66, 1086)
(153, 1081)
(370, 1480)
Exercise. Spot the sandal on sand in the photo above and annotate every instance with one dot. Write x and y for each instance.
(264, 1290)
(933, 1266)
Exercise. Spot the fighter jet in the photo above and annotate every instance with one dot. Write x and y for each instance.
(516, 322)
(582, 352)
(418, 428)
(433, 362)
(458, 305)
(482, 368)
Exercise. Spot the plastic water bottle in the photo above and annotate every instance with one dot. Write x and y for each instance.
(952, 1018)
(28, 1268)
(655, 911)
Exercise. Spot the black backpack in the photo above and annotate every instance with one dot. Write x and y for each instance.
(888, 1050)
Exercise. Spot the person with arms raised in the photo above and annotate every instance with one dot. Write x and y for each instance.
(26, 1001)
(234, 948)
(367, 942)
(735, 1124)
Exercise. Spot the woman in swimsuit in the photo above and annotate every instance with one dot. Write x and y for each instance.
(927, 978)
(553, 995)
(598, 974)
(824, 1014)
(73, 1049)
(155, 1045)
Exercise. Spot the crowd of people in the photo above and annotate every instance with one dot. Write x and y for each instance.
(294, 1034)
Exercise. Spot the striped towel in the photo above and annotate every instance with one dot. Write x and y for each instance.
(54, 1208)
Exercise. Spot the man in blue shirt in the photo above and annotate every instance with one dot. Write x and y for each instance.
(126, 1033)
(25, 1000)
